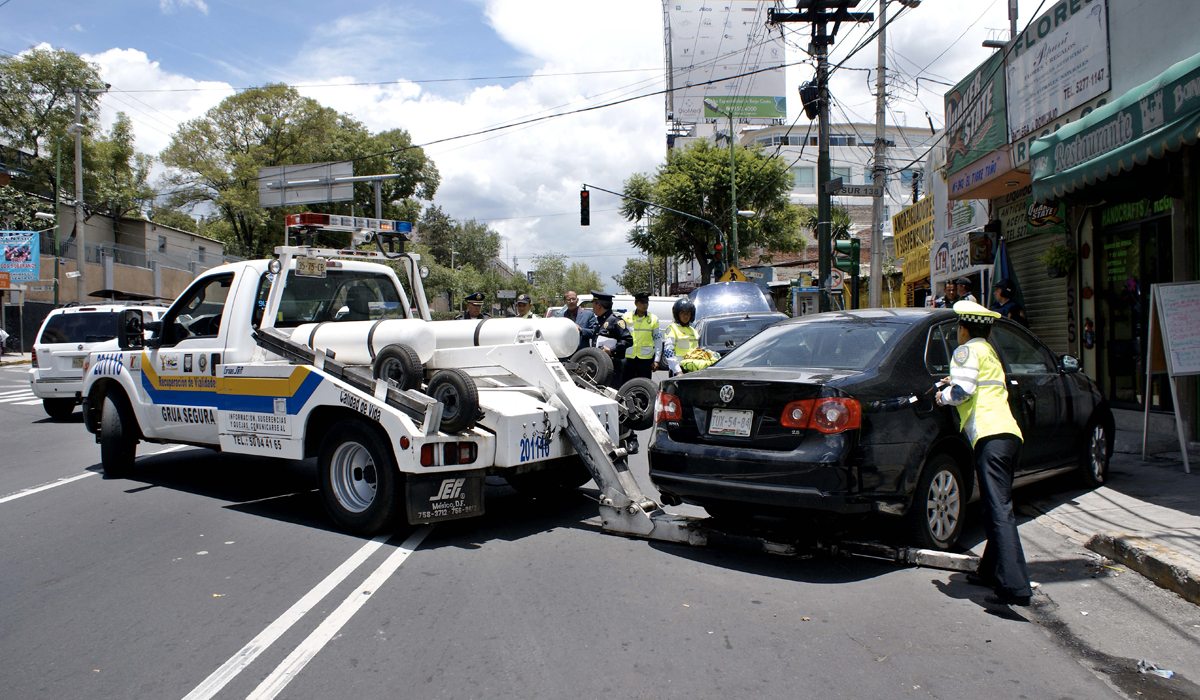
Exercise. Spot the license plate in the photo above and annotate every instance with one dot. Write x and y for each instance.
(310, 267)
(76, 363)
(728, 422)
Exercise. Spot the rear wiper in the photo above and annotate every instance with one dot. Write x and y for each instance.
(97, 338)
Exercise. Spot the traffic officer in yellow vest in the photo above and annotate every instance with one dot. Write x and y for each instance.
(978, 388)
(681, 336)
(643, 356)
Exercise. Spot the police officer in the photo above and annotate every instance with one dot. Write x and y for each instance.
(962, 286)
(978, 388)
(612, 335)
(524, 304)
(681, 336)
(644, 354)
(474, 310)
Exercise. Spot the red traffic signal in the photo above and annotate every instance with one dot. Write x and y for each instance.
(585, 208)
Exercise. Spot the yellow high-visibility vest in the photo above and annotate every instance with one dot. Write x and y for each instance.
(642, 328)
(684, 337)
(986, 412)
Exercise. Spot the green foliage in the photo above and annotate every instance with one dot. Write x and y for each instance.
(552, 277)
(696, 180)
(115, 174)
(581, 279)
(17, 209)
(1058, 256)
(174, 218)
(216, 159)
(636, 275)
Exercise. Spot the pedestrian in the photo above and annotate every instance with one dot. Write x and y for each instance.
(584, 318)
(681, 336)
(949, 296)
(474, 308)
(1004, 304)
(524, 304)
(978, 389)
(643, 356)
(612, 334)
(963, 288)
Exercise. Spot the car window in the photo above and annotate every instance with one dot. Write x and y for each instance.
(734, 331)
(1021, 354)
(81, 327)
(823, 345)
(197, 314)
(342, 295)
(943, 339)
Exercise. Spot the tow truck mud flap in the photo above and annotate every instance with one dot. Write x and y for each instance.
(433, 499)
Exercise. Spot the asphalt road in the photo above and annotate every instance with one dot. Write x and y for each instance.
(212, 576)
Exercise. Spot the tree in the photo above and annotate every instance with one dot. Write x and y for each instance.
(37, 104)
(696, 180)
(552, 277)
(581, 278)
(216, 159)
(636, 275)
(174, 218)
(115, 174)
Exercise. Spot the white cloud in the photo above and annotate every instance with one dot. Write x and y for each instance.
(77, 27)
(169, 6)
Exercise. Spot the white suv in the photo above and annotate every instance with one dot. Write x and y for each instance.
(63, 343)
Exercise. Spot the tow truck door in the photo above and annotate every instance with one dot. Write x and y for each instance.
(180, 376)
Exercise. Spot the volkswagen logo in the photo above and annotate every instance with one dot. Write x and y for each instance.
(727, 393)
(80, 347)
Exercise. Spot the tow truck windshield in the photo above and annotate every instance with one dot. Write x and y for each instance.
(342, 295)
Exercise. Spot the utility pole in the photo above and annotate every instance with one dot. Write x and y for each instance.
(818, 13)
(875, 299)
(80, 254)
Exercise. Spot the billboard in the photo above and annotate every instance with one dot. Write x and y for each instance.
(976, 122)
(20, 255)
(1059, 62)
(711, 41)
(312, 183)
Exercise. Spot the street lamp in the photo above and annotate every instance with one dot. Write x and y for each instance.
(732, 180)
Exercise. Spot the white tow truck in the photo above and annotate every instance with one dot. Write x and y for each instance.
(324, 352)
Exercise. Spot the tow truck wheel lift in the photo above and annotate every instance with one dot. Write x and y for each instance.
(624, 508)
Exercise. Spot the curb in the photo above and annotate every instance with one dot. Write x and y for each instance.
(6, 363)
(1157, 563)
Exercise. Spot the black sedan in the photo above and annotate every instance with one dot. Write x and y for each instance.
(833, 414)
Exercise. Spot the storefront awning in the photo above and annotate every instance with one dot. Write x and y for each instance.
(1150, 120)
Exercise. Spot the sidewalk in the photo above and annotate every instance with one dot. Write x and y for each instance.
(11, 358)
(1146, 517)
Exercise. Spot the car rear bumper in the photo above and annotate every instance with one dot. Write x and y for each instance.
(56, 387)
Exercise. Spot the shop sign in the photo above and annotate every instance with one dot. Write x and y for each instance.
(1021, 217)
(1133, 211)
(913, 235)
(979, 173)
(1059, 62)
(952, 257)
(1022, 147)
(20, 255)
(975, 115)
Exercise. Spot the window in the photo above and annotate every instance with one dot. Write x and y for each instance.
(846, 173)
(824, 345)
(201, 253)
(81, 327)
(943, 339)
(805, 178)
(162, 244)
(1020, 353)
(906, 177)
(197, 314)
(340, 296)
(835, 140)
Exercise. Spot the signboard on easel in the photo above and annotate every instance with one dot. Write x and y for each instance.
(1173, 347)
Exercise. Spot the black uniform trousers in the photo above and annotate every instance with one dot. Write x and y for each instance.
(1003, 562)
(637, 367)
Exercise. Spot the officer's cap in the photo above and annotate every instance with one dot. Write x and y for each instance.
(602, 297)
(475, 298)
(963, 281)
(641, 296)
(524, 299)
(971, 312)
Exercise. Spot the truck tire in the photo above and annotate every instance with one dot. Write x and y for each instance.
(563, 475)
(59, 409)
(456, 391)
(593, 364)
(358, 478)
(118, 441)
(400, 363)
(637, 397)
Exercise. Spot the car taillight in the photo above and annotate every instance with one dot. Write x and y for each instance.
(826, 415)
(667, 407)
(33, 356)
(450, 453)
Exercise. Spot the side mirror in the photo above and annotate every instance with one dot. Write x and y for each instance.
(153, 333)
(1068, 364)
(130, 333)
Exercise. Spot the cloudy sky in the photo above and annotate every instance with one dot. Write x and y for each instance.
(452, 67)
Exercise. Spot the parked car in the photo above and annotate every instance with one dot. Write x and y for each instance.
(724, 332)
(63, 342)
(833, 414)
(730, 298)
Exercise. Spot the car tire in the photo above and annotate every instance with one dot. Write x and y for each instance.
(400, 363)
(358, 478)
(457, 393)
(566, 475)
(1094, 456)
(59, 409)
(594, 365)
(939, 504)
(637, 397)
(118, 441)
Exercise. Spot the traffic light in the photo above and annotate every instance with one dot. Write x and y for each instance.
(845, 255)
(718, 259)
(585, 208)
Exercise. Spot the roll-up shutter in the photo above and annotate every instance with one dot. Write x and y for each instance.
(1045, 297)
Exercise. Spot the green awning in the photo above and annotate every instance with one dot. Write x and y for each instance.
(1146, 123)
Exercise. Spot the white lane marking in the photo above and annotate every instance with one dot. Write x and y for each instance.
(35, 402)
(285, 672)
(17, 392)
(174, 448)
(238, 662)
(45, 487)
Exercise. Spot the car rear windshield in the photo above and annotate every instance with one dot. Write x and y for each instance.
(83, 327)
(823, 345)
(735, 331)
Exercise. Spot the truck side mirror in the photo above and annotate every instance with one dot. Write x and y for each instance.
(154, 333)
(130, 334)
